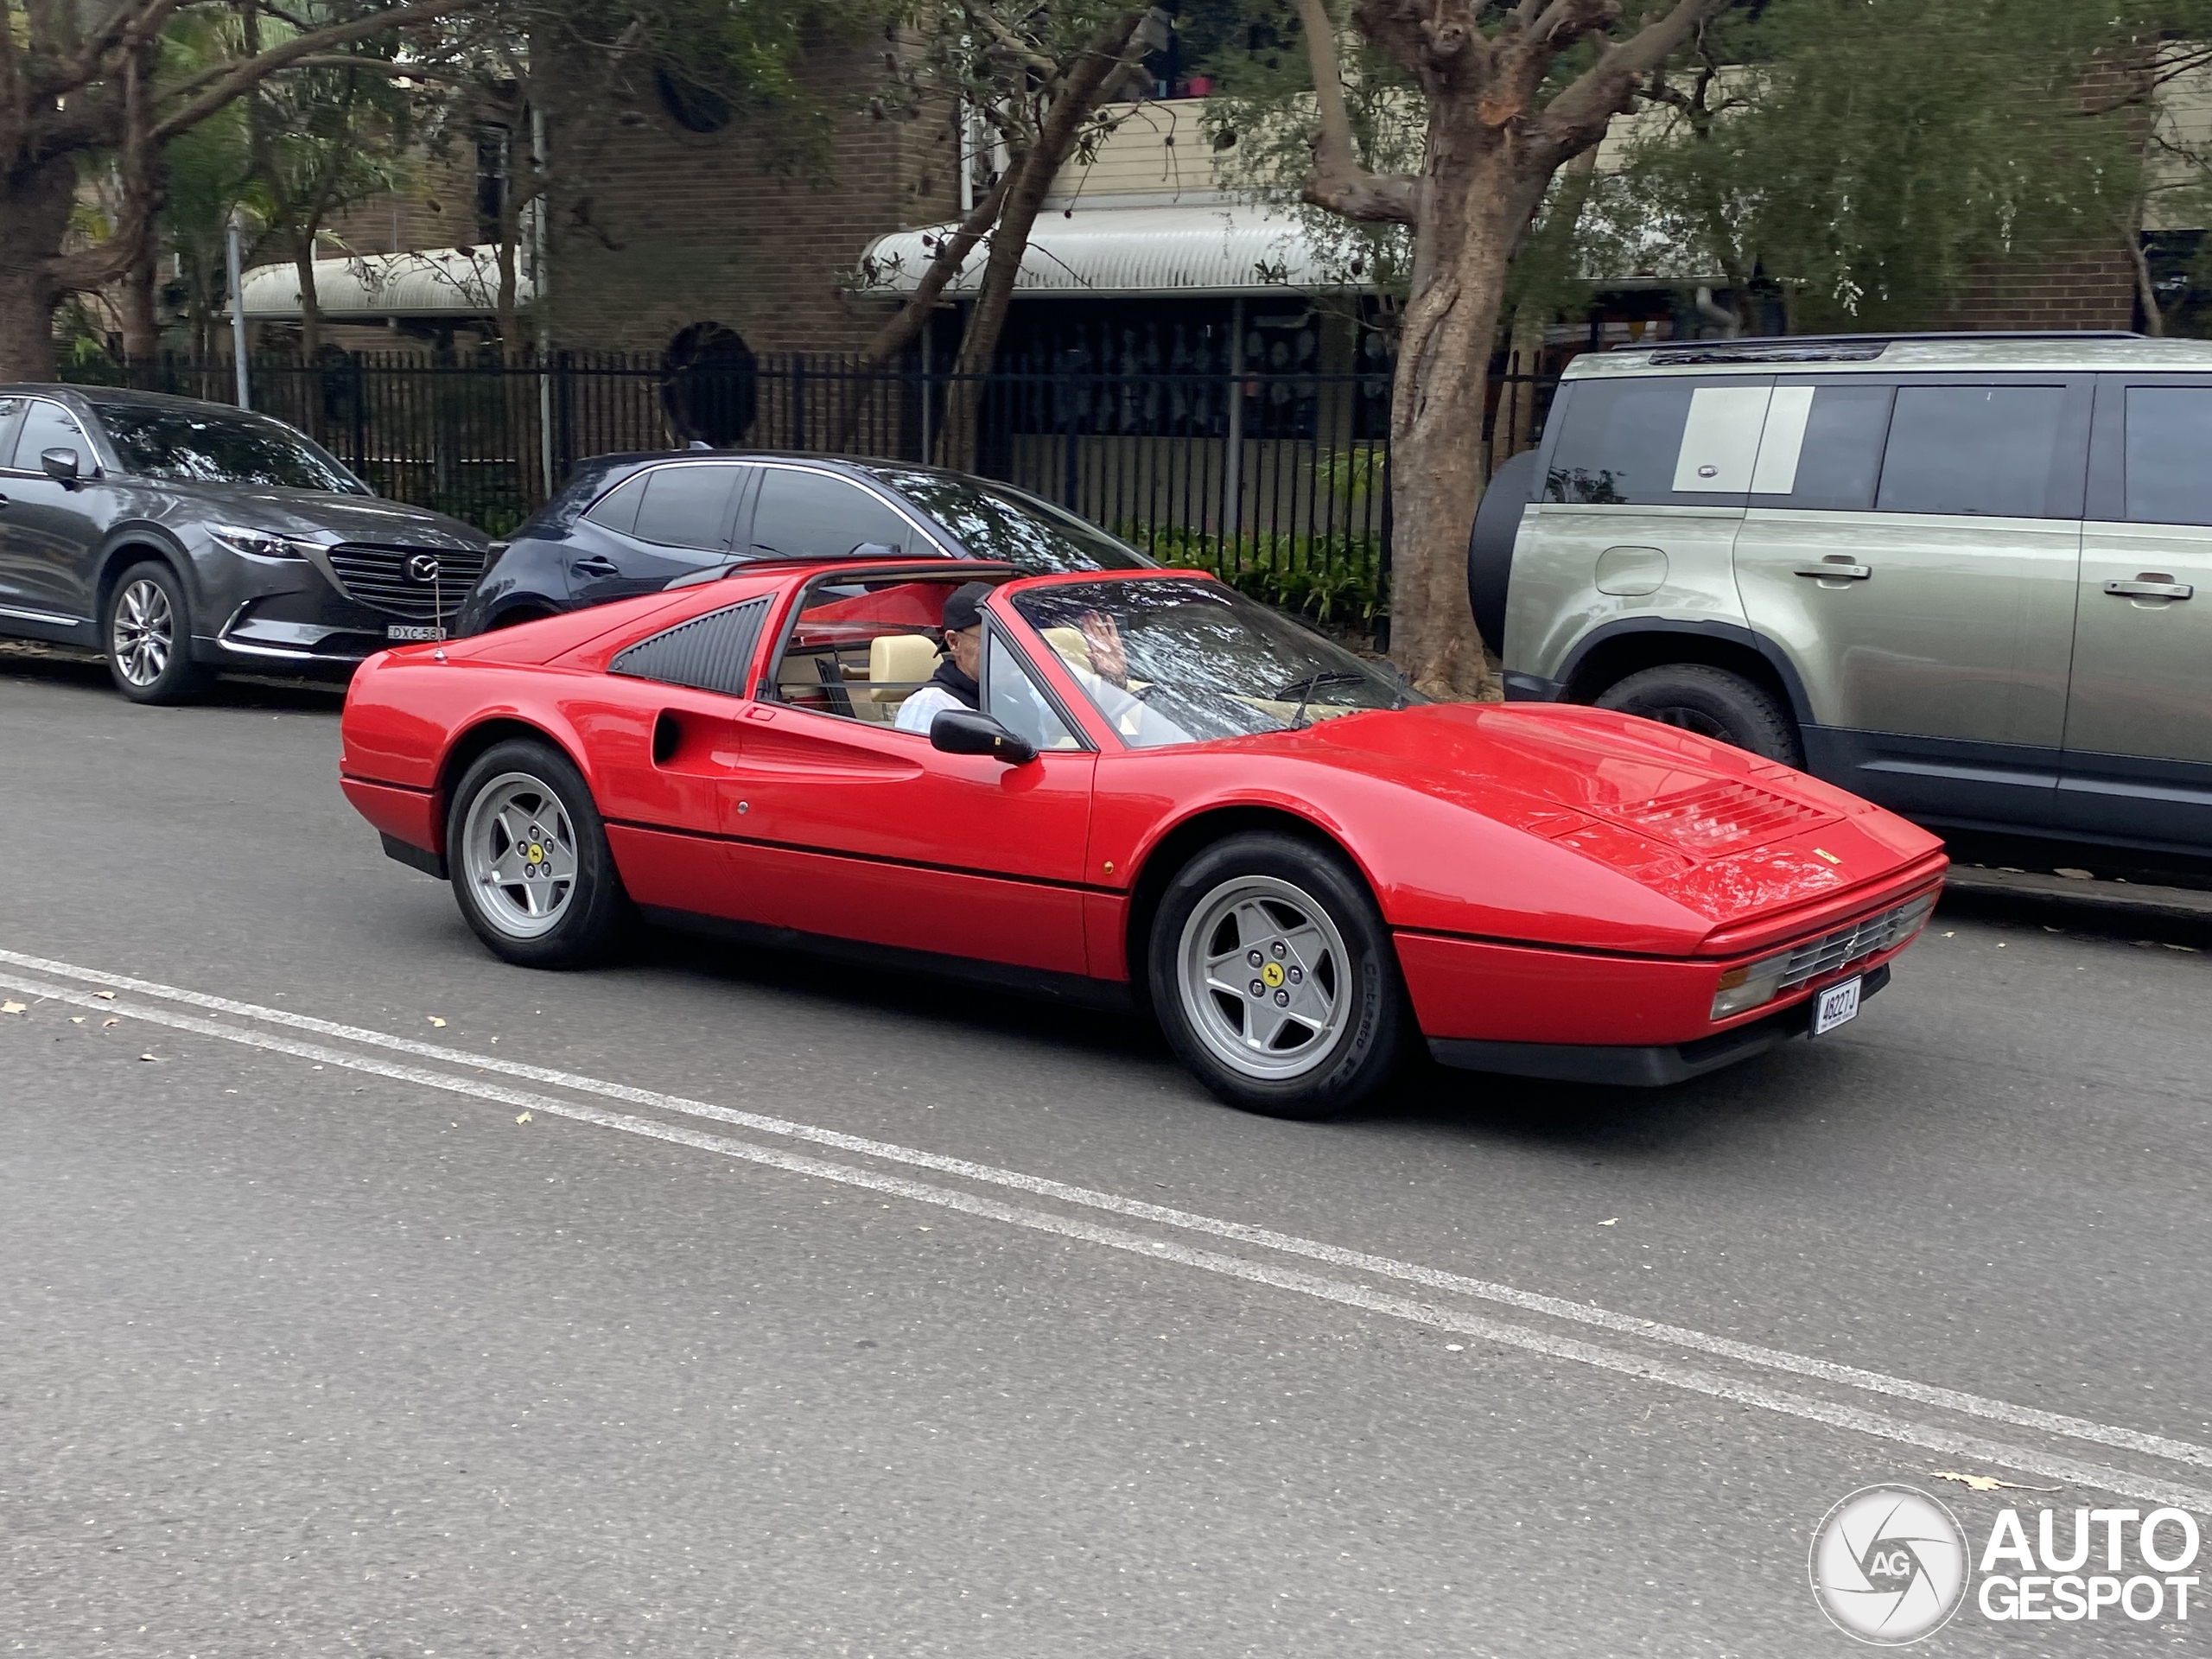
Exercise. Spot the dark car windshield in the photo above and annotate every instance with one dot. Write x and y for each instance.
(215, 448)
(994, 522)
(1175, 660)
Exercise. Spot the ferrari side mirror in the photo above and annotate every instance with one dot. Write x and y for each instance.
(964, 731)
(59, 465)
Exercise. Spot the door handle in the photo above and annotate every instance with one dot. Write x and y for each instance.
(2152, 584)
(597, 565)
(1836, 569)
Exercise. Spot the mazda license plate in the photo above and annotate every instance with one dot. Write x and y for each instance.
(1836, 1006)
(409, 630)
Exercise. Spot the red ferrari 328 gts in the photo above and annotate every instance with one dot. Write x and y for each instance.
(1169, 795)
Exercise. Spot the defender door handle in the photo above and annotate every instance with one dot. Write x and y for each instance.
(2152, 584)
(596, 566)
(1837, 569)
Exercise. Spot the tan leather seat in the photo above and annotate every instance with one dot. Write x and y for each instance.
(898, 663)
(1072, 647)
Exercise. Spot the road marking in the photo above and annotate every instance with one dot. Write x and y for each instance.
(1668, 1371)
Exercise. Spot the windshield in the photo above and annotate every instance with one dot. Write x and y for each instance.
(995, 522)
(214, 448)
(1175, 660)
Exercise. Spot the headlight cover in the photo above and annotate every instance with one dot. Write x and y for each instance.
(259, 543)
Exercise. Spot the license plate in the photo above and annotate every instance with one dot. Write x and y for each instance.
(1838, 1005)
(409, 630)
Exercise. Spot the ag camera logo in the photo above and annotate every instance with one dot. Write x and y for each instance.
(1889, 1564)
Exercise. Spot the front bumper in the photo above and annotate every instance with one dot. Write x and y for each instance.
(1639, 1065)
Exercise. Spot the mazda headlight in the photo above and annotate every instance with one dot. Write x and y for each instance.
(261, 544)
(1746, 987)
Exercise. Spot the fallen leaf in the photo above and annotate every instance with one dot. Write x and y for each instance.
(1614, 1221)
(11, 1008)
(104, 1024)
(2074, 875)
(76, 1019)
(105, 996)
(1455, 1347)
(2190, 948)
(1989, 1483)
(1951, 936)
(524, 1118)
(436, 1020)
(145, 1057)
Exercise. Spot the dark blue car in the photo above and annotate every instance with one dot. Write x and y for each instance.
(633, 524)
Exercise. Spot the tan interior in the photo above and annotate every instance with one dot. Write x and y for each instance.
(896, 662)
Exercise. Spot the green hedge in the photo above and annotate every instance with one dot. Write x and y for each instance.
(1333, 577)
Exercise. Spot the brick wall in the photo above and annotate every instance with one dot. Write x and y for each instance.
(2081, 288)
(655, 228)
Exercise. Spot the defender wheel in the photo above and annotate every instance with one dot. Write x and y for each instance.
(148, 634)
(1712, 702)
(1274, 979)
(529, 858)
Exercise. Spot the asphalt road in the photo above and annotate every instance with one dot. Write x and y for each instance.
(718, 1304)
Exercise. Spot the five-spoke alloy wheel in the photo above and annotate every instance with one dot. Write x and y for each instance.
(529, 858)
(1274, 978)
(149, 637)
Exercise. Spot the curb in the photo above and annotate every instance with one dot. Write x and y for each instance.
(2128, 898)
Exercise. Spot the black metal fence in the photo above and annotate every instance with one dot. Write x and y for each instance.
(1277, 480)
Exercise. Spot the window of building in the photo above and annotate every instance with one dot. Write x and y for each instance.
(494, 150)
(691, 103)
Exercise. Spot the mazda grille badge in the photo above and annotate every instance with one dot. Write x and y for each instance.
(424, 566)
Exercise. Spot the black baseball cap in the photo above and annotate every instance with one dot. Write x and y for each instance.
(964, 609)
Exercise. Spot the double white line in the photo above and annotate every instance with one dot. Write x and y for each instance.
(1648, 1359)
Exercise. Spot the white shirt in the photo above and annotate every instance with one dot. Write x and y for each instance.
(923, 706)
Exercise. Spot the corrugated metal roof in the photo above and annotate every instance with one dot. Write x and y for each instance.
(439, 283)
(1221, 248)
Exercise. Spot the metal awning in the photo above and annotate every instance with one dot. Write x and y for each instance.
(439, 283)
(1214, 249)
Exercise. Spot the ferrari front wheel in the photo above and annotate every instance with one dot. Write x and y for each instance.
(1274, 978)
(529, 859)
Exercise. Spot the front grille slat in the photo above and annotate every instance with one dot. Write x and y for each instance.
(377, 576)
(1817, 958)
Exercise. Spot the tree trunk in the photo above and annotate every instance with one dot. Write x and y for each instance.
(35, 205)
(1465, 246)
(142, 325)
(979, 341)
(310, 302)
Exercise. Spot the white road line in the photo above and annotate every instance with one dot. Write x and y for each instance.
(2126, 1483)
(1971, 1405)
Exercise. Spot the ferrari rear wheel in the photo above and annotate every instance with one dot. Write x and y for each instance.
(529, 858)
(1274, 979)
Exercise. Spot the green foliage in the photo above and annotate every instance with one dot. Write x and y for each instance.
(1870, 155)
(1333, 577)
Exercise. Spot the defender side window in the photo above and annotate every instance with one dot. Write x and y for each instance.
(2169, 444)
(1663, 440)
(1823, 447)
(1984, 451)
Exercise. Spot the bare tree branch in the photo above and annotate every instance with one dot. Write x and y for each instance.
(222, 87)
(1337, 181)
(1578, 115)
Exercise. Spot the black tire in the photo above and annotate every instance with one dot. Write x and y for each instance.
(1712, 702)
(534, 786)
(1368, 1021)
(146, 633)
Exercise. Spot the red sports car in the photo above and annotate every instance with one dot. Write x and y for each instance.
(1136, 786)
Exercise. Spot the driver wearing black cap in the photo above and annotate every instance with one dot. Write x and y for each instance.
(954, 685)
